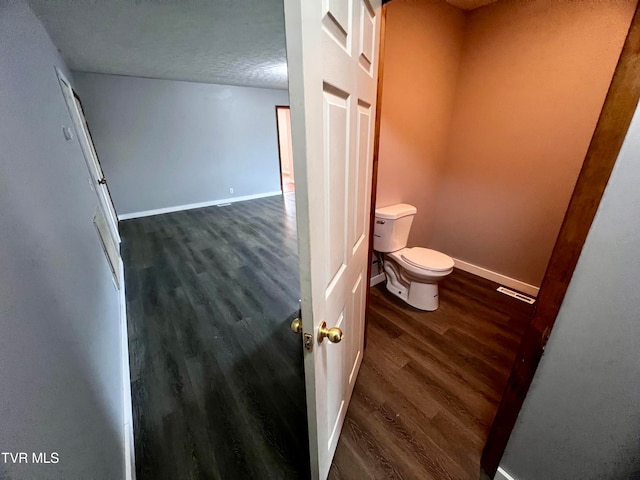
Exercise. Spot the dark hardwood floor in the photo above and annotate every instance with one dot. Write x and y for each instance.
(217, 378)
(217, 375)
(430, 383)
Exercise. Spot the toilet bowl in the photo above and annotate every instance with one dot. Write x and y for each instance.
(412, 274)
(416, 281)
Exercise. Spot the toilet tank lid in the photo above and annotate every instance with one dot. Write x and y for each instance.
(396, 211)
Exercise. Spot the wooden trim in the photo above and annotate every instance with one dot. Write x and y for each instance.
(278, 138)
(619, 107)
(376, 151)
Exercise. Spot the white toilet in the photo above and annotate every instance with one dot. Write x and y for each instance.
(412, 273)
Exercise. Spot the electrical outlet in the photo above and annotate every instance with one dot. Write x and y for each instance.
(231, 190)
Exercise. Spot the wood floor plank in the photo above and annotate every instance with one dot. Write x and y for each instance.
(462, 384)
(419, 336)
(217, 377)
(367, 447)
(441, 372)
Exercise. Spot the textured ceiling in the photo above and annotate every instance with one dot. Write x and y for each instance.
(237, 42)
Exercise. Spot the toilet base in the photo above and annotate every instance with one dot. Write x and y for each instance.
(423, 296)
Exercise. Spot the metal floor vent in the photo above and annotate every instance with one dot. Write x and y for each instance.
(517, 295)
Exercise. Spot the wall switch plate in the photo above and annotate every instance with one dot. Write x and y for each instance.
(231, 190)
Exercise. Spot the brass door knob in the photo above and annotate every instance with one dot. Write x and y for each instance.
(296, 325)
(334, 335)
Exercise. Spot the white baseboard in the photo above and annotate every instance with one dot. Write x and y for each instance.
(501, 474)
(129, 452)
(498, 278)
(158, 211)
(376, 279)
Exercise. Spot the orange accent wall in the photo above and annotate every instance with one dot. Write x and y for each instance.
(531, 81)
(423, 46)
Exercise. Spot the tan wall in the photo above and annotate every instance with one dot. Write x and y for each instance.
(532, 79)
(422, 54)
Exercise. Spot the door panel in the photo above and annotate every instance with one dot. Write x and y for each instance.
(336, 138)
(337, 20)
(367, 36)
(355, 340)
(332, 49)
(335, 361)
(361, 174)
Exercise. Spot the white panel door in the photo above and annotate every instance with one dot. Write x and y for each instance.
(98, 180)
(106, 219)
(332, 49)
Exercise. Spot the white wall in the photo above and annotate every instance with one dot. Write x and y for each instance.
(164, 143)
(581, 418)
(60, 372)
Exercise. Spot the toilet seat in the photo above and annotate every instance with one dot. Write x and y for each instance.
(426, 259)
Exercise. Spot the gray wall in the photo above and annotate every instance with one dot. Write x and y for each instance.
(581, 418)
(164, 143)
(60, 370)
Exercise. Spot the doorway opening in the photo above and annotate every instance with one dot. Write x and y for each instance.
(285, 148)
(209, 241)
(433, 386)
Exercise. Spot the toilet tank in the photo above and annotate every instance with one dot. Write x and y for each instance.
(392, 227)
